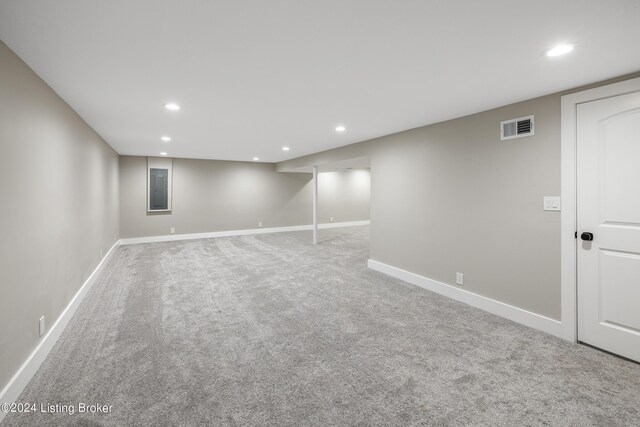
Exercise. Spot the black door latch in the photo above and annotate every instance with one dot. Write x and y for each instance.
(587, 236)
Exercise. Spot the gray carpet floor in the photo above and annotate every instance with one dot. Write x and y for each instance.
(270, 330)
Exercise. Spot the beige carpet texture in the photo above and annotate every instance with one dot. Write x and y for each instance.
(269, 330)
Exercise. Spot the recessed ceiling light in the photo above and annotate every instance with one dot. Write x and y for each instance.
(285, 148)
(340, 128)
(255, 159)
(166, 138)
(172, 107)
(163, 154)
(559, 50)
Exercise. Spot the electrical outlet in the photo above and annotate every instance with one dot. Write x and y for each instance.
(41, 325)
(260, 224)
(173, 230)
(331, 219)
(459, 279)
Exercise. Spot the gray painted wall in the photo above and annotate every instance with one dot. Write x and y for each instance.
(212, 195)
(343, 195)
(59, 192)
(452, 197)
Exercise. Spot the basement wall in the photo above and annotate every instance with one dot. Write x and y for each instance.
(60, 213)
(214, 195)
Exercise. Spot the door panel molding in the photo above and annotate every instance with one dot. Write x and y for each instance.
(568, 242)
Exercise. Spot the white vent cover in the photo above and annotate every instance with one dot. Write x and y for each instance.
(516, 128)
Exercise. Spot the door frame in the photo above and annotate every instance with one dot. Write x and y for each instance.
(568, 183)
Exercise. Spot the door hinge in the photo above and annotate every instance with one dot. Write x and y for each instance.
(576, 236)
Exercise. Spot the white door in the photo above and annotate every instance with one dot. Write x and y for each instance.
(608, 197)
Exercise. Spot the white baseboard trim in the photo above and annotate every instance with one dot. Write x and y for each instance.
(527, 318)
(16, 385)
(175, 237)
(340, 224)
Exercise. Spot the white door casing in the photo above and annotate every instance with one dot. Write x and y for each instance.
(569, 244)
(608, 205)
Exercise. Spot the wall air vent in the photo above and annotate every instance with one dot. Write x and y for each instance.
(516, 128)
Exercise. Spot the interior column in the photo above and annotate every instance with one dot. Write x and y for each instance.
(315, 205)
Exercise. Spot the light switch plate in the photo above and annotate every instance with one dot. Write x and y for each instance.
(552, 203)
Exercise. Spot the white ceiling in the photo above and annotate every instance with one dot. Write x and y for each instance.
(254, 75)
